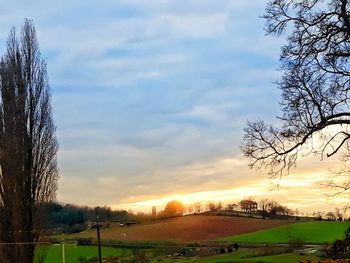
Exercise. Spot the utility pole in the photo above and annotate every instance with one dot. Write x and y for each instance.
(98, 239)
(63, 253)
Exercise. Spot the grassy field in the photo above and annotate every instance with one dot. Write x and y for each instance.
(72, 253)
(310, 232)
(285, 258)
(244, 256)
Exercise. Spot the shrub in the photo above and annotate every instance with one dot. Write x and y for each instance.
(296, 243)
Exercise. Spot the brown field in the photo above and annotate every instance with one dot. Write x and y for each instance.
(188, 228)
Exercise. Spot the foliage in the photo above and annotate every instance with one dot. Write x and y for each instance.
(71, 218)
(268, 208)
(296, 243)
(331, 216)
(213, 207)
(340, 248)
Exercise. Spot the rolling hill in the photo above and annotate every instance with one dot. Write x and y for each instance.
(187, 228)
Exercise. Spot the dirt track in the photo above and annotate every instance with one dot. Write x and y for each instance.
(188, 228)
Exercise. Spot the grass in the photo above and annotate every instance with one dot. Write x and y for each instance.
(244, 256)
(54, 253)
(310, 232)
(285, 258)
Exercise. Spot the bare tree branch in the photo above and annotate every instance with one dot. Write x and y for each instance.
(315, 85)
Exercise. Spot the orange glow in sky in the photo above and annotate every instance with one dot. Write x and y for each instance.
(295, 191)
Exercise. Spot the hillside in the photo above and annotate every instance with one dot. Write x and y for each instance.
(310, 232)
(187, 228)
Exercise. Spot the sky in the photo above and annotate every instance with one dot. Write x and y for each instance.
(150, 99)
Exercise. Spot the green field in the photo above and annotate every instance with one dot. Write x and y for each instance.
(285, 258)
(53, 254)
(244, 256)
(310, 232)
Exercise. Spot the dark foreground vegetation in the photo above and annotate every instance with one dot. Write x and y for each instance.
(70, 218)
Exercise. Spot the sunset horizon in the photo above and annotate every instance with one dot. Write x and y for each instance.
(165, 128)
(175, 131)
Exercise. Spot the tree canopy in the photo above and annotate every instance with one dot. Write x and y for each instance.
(314, 86)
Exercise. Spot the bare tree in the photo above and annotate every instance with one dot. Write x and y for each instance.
(263, 204)
(28, 146)
(318, 215)
(190, 209)
(197, 207)
(315, 85)
(331, 216)
(339, 214)
(231, 207)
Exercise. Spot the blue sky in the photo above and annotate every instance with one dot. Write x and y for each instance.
(150, 98)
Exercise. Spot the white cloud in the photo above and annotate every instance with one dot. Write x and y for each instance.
(151, 97)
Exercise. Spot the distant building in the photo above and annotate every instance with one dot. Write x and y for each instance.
(248, 206)
(154, 210)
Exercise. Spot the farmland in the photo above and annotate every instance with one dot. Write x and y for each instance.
(248, 257)
(204, 237)
(73, 253)
(186, 229)
(310, 232)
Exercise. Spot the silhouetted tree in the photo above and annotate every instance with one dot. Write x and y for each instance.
(280, 210)
(174, 208)
(263, 204)
(231, 207)
(318, 215)
(315, 85)
(214, 206)
(331, 216)
(197, 207)
(28, 146)
(338, 213)
(190, 209)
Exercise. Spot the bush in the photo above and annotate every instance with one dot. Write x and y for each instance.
(84, 241)
(222, 250)
(296, 243)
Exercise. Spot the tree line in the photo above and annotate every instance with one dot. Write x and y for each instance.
(72, 218)
(263, 208)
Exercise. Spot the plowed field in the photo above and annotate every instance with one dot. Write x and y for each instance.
(188, 228)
